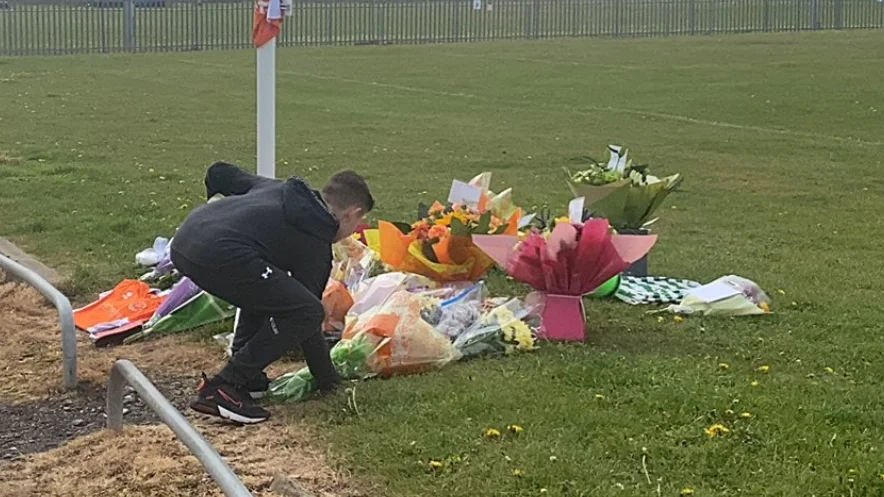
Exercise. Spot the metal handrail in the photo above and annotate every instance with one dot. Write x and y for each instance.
(124, 372)
(65, 316)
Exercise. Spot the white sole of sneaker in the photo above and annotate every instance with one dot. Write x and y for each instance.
(239, 418)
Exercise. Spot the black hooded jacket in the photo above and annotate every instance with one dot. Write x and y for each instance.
(284, 223)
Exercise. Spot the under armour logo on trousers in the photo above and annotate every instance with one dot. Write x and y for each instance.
(267, 273)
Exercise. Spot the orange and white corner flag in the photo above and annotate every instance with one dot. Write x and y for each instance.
(268, 21)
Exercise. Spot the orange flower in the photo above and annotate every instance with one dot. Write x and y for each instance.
(436, 208)
(437, 231)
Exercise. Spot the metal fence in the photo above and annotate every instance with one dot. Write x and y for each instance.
(45, 27)
(124, 372)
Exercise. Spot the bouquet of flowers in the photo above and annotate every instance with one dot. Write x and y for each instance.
(573, 259)
(439, 245)
(625, 194)
(505, 329)
(350, 358)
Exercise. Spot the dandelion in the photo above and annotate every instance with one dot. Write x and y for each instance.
(661, 319)
(724, 366)
(716, 430)
(599, 396)
(729, 412)
(781, 291)
(543, 490)
(746, 415)
(686, 492)
(678, 319)
(435, 465)
(830, 370)
(882, 476)
(765, 307)
(515, 429)
(492, 433)
(755, 383)
(553, 458)
(763, 369)
(518, 473)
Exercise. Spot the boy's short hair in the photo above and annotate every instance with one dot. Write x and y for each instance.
(348, 189)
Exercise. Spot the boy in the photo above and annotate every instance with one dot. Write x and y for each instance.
(266, 248)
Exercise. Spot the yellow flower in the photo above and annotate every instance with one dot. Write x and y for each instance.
(518, 473)
(764, 369)
(563, 219)
(724, 366)
(678, 319)
(716, 430)
(435, 465)
(661, 319)
(882, 476)
(781, 291)
(516, 429)
(519, 332)
(543, 490)
(830, 370)
(492, 433)
(746, 415)
(599, 396)
(765, 307)
(686, 492)
(755, 383)
(729, 412)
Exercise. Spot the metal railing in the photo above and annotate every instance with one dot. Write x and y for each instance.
(65, 316)
(124, 372)
(49, 27)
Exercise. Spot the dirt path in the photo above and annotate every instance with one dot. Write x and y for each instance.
(53, 443)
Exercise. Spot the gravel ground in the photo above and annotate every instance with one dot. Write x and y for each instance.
(41, 426)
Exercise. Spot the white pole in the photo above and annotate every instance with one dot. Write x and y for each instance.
(266, 69)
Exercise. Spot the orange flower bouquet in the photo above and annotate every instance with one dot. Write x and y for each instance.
(439, 245)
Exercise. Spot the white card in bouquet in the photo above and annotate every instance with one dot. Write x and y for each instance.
(464, 193)
(713, 292)
(575, 210)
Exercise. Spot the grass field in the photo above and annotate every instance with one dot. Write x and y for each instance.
(779, 137)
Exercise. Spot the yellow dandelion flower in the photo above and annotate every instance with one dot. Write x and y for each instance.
(882, 476)
(724, 366)
(746, 415)
(781, 291)
(492, 433)
(755, 383)
(518, 473)
(678, 319)
(435, 465)
(764, 369)
(716, 430)
(764, 307)
(686, 492)
(516, 429)
(553, 458)
(661, 319)
(543, 490)
(599, 396)
(830, 370)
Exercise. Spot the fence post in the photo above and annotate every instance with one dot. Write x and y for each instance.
(129, 25)
(766, 15)
(692, 15)
(839, 14)
(815, 14)
(536, 19)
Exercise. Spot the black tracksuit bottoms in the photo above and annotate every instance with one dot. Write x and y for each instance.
(277, 314)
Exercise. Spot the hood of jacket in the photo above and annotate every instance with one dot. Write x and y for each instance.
(304, 208)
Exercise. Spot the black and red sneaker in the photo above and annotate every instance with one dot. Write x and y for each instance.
(216, 397)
